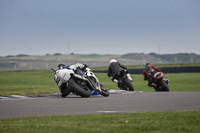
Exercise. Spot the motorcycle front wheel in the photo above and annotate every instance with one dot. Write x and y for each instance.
(164, 86)
(78, 89)
(128, 84)
(65, 91)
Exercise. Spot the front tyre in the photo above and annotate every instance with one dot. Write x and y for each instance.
(164, 86)
(78, 89)
(128, 84)
(65, 91)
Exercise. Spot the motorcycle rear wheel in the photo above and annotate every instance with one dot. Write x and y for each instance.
(104, 92)
(78, 89)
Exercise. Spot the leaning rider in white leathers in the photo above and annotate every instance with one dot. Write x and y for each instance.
(62, 87)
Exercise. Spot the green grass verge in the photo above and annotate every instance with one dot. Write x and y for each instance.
(42, 82)
(27, 82)
(178, 82)
(168, 122)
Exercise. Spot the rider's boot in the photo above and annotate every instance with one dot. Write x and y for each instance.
(129, 77)
(116, 81)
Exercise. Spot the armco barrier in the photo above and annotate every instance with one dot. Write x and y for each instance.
(163, 69)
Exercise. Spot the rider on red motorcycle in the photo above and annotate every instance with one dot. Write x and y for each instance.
(148, 74)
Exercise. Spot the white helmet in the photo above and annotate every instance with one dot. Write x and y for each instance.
(112, 60)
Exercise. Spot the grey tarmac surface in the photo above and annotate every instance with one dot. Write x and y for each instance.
(117, 102)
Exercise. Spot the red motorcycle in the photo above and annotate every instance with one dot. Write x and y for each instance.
(159, 82)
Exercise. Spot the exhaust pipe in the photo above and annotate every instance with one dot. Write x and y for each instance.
(78, 76)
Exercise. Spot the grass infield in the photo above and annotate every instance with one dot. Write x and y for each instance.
(42, 82)
(167, 122)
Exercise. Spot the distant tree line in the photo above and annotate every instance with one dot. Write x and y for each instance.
(177, 58)
(19, 55)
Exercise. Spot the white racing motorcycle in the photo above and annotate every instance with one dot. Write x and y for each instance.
(82, 83)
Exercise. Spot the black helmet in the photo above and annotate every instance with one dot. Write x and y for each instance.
(147, 64)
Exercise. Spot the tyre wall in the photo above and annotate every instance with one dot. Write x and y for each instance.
(163, 69)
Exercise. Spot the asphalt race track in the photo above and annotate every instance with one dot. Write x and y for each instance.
(118, 102)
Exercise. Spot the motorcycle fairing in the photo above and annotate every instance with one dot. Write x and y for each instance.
(62, 74)
(96, 92)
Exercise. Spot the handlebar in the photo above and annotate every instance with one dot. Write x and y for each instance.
(53, 69)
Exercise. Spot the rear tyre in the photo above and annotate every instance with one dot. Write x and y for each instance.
(78, 89)
(164, 86)
(128, 84)
(105, 93)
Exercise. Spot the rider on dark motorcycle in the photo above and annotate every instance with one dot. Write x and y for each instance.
(148, 74)
(114, 71)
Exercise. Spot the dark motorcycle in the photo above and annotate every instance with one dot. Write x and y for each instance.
(124, 82)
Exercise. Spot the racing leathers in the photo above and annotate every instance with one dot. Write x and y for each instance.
(114, 71)
(64, 89)
(148, 74)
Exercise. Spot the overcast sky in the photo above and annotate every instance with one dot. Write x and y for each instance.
(40, 27)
